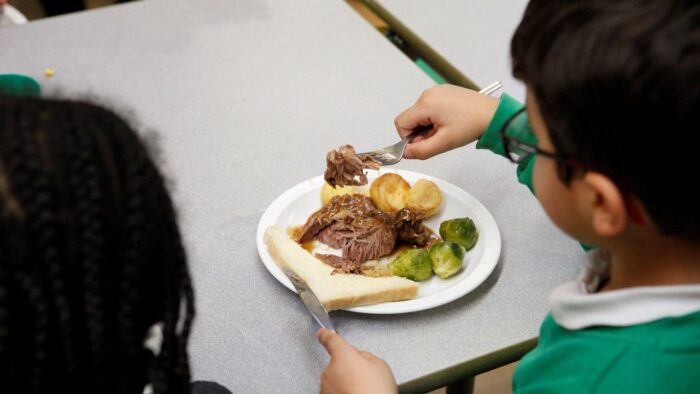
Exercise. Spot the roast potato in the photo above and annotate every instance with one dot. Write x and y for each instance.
(425, 196)
(389, 192)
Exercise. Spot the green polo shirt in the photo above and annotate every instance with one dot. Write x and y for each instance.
(639, 340)
(661, 356)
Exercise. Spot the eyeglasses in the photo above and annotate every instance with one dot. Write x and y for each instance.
(520, 145)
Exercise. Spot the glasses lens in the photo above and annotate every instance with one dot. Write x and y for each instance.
(520, 139)
(519, 152)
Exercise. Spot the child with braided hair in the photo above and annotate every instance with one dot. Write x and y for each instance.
(95, 293)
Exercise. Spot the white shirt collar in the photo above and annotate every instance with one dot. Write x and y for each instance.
(576, 305)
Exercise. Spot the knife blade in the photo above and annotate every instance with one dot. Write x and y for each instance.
(310, 300)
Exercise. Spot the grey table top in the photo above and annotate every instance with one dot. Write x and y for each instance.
(246, 97)
(473, 35)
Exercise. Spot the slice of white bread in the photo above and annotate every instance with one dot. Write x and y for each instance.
(335, 291)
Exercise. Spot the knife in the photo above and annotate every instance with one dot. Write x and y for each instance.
(310, 300)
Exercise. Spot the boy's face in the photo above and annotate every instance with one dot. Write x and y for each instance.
(562, 203)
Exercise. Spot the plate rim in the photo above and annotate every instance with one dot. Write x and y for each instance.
(487, 263)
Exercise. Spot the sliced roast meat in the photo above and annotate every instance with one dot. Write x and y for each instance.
(338, 208)
(354, 225)
(341, 264)
(363, 232)
(360, 240)
(344, 167)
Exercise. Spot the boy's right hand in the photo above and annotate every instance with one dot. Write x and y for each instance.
(351, 370)
(459, 116)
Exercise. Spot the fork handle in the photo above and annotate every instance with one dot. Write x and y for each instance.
(420, 130)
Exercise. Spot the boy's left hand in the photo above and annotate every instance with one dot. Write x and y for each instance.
(351, 370)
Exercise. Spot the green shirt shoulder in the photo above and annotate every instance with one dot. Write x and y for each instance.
(662, 356)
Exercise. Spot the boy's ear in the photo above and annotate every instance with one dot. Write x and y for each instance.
(607, 205)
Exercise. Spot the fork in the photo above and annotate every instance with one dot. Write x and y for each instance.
(393, 154)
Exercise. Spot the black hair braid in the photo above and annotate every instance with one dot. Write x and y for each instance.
(24, 161)
(170, 339)
(141, 171)
(84, 184)
(183, 366)
(187, 297)
(136, 256)
(163, 249)
(185, 294)
(4, 312)
(58, 273)
(169, 374)
(8, 241)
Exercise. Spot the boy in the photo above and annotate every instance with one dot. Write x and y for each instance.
(612, 98)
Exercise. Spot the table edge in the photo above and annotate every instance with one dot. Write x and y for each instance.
(468, 369)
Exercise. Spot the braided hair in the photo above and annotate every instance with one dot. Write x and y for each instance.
(90, 255)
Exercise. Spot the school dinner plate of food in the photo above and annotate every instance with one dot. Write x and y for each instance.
(306, 229)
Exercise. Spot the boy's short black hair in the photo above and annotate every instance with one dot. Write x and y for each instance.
(618, 85)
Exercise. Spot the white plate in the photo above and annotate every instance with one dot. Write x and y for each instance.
(295, 205)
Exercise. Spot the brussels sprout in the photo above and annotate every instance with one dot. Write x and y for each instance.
(463, 231)
(413, 264)
(447, 258)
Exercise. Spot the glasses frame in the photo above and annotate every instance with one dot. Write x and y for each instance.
(566, 166)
